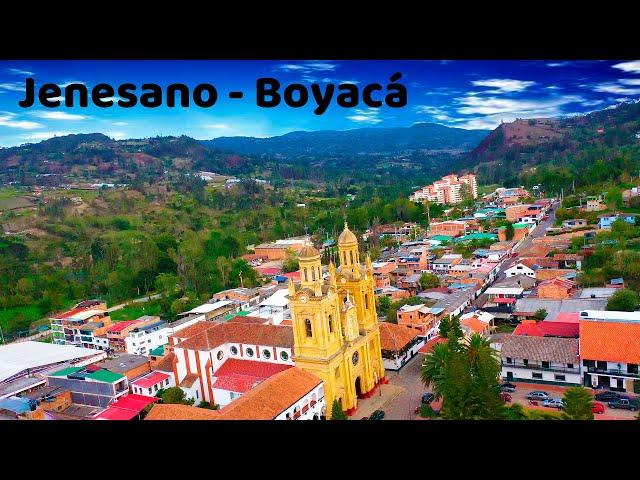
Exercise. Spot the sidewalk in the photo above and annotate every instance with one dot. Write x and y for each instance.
(383, 395)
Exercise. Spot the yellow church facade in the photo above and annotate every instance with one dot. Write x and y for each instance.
(335, 324)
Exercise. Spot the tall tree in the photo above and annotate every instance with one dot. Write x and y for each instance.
(578, 404)
(336, 411)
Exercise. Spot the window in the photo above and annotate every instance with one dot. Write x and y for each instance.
(366, 301)
(330, 324)
(284, 356)
(536, 375)
(509, 360)
(632, 368)
(351, 256)
(525, 361)
(234, 350)
(249, 352)
(197, 394)
(569, 365)
(266, 354)
(559, 378)
(545, 364)
(166, 382)
(307, 326)
(220, 355)
(155, 388)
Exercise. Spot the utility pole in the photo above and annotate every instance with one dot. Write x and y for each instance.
(241, 282)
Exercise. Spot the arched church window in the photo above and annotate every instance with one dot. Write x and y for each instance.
(351, 256)
(306, 279)
(330, 324)
(344, 257)
(307, 326)
(313, 274)
(366, 301)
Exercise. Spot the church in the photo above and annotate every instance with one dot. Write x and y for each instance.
(335, 324)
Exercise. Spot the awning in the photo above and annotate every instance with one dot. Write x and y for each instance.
(127, 407)
(506, 301)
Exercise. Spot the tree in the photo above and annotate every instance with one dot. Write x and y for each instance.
(445, 327)
(613, 198)
(510, 231)
(429, 280)
(624, 300)
(384, 303)
(578, 404)
(540, 314)
(175, 395)
(291, 263)
(336, 411)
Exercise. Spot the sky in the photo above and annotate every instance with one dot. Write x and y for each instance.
(458, 93)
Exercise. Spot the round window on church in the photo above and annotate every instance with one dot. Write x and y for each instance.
(249, 352)
(284, 356)
(220, 355)
(355, 358)
(234, 350)
(266, 354)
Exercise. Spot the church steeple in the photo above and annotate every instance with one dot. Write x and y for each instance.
(348, 252)
(310, 269)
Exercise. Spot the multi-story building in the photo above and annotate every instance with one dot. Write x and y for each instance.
(98, 388)
(610, 349)
(150, 332)
(66, 327)
(538, 359)
(426, 320)
(448, 190)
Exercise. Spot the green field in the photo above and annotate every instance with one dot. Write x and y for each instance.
(136, 310)
(11, 197)
(19, 318)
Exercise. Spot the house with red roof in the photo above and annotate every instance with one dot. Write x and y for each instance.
(399, 344)
(557, 288)
(152, 383)
(533, 328)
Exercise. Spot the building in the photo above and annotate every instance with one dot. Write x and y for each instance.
(520, 230)
(131, 366)
(605, 221)
(574, 223)
(594, 204)
(610, 349)
(445, 263)
(279, 249)
(294, 394)
(527, 307)
(520, 268)
(450, 228)
(174, 411)
(556, 288)
(399, 345)
(425, 320)
(246, 297)
(393, 293)
(382, 273)
(477, 322)
(81, 325)
(537, 359)
(24, 365)
(534, 328)
(152, 383)
(449, 190)
(91, 387)
(335, 324)
(127, 407)
(214, 311)
(148, 333)
(634, 192)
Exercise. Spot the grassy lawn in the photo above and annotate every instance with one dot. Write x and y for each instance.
(136, 310)
(505, 328)
(18, 318)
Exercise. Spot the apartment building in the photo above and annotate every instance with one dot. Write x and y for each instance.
(448, 190)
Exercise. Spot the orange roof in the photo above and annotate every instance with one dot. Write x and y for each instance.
(549, 273)
(189, 380)
(394, 337)
(194, 329)
(170, 411)
(558, 282)
(536, 250)
(431, 343)
(271, 397)
(215, 334)
(165, 364)
(610, 341)
(478, 326)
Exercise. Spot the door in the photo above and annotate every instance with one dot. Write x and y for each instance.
(509, 376)
(358, 388)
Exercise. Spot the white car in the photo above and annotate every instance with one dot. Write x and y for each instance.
(554, 403)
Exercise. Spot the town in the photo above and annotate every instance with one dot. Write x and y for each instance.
(352, 326)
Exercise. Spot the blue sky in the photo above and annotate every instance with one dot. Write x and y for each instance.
(460, 93)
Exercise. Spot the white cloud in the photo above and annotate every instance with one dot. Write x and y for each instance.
(66, 84)
(217, 126)
(37, 137)
(8, 119)
(617, 88)
(307, 67)
(12, 86)
(503, 85)
(59, 116)
(557, 64)
(117, 135)
(18, 71)
(631, 67)
(472, 105)
(552, 87)
(629, 81)
(120, 124)
(369, 115)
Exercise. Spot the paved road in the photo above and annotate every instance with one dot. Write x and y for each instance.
(137, 300)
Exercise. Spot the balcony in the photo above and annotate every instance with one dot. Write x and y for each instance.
(534, 366)
(613, 371)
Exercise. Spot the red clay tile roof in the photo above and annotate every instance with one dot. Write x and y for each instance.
(567, 317)
(549, 273)
(171, 411)
(247, 319)
(194, 329)
(547, 329)
(235, 332)
(271, 397)
(189, 380)
(431, 343)
(165, 364)
(118, 327)
(394, 337)
(610, 341)
(150, 380)
(250, 369)
(476, 325)
(236, 384)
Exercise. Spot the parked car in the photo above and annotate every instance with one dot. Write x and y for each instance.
(607, 396)
(598, 408)
(625, 404)
(508, 387)
(554, 403)
(505, 397)
(428, 397)
(377, 415)
(538, 395)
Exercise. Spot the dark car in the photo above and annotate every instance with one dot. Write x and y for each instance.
(625, 404)
(508, 387)
(428, 397)
(377, 415)
(607, 396)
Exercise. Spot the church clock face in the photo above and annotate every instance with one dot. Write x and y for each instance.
(303, 299)
(355, 358)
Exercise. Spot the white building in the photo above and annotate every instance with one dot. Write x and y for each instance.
(141, 340)
(541, 360)
(520, 269)
(152, 383)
